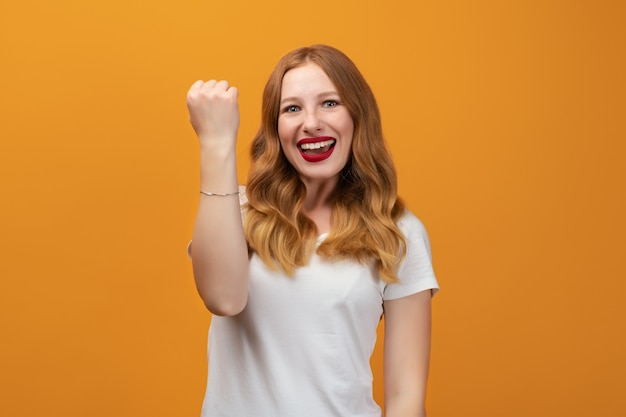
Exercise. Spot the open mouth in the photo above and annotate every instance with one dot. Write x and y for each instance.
(316, 149)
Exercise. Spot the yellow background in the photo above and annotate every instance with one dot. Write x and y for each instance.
(506, 120)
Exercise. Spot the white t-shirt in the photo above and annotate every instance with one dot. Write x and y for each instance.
(302, 345)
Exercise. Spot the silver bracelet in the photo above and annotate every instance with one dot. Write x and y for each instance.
(218, 194)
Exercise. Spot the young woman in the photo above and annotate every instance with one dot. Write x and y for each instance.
(299, 266)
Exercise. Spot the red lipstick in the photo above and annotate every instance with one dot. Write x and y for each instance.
(316, 149)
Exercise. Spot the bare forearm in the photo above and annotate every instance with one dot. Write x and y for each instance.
(219, 251)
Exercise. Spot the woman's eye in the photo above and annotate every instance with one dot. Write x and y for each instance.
(330, 103)
(291, 109)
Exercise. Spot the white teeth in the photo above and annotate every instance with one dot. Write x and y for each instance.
(316, 145)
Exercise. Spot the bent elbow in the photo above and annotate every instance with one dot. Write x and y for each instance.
(225, 309)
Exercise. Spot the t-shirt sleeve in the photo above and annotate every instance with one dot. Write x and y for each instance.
(416, 272)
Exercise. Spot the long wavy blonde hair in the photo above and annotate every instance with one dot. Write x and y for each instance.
(366, 205)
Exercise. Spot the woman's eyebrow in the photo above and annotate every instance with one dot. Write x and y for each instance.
(320, 95)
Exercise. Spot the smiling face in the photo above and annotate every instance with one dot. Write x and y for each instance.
(314, 127)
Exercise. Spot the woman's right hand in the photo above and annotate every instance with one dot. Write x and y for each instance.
(214, 112)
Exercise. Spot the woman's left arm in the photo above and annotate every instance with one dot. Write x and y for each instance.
(407, 354)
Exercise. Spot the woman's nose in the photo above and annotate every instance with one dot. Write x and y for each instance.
(312, 121)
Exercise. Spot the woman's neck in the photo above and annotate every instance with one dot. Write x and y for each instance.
(318, 203)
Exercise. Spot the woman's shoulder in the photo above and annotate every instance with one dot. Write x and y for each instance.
(243, 198)
(243, 201)
(411, 225)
